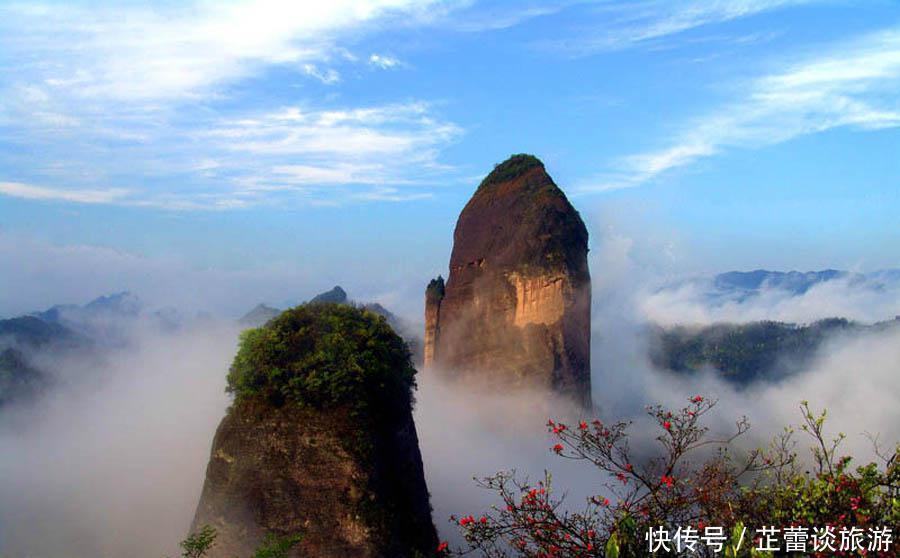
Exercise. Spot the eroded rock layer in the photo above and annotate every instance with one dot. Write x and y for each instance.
(320, 442)
(515, 309)
(286, 471)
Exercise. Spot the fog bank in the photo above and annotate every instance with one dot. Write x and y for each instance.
(112, 465)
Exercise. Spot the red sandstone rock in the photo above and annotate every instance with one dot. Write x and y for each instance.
(515, 310)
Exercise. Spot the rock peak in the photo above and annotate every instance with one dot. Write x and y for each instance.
(510, 169)
(515, 308)
(337, 295)
(326, 447)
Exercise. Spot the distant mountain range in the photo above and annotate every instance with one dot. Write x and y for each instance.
(20, 339)
(762, 350)
(259, 315)
(741, 284)
(122, 304)
(60, 330)
(746, 353)
(743, 353)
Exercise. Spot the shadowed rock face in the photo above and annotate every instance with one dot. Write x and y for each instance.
(515, 309)
(320, 442)
(287, 470)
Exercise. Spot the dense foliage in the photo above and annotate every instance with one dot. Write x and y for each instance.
(198, 544)
(34, 332)
(693, 482)
(435, 289)
(744, 352)
(324, 356)
(511, 168)
(19, 380)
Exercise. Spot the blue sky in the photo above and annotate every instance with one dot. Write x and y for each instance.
(276, 148)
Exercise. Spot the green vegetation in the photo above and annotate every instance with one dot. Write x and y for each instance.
(324, 356)
(345, 366)
(692, 479)
(509, 169)
(435, 289)
(19, 380)
(277, 547)
(196, 545)
(744, 352)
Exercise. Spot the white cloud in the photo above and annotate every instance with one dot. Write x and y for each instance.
(690, 303)
(383, 61)
(403, 129)
(153, 94)
(658, 19)
(855, 86)
(258, 157)
(629, 24)
(301, 149)
(492, 19)
(180, 50)
(31, 192)
(328, 76)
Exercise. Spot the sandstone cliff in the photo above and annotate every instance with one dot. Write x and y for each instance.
(515, 309)
(320, 442)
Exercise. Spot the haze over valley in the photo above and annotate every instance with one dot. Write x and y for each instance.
(394, 278)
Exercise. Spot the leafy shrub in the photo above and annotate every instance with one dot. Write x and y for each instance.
(277, 547)
(745, 352)
(435, 289)
(685, 484)
(510, 169)
(196, 545)
(324, 356)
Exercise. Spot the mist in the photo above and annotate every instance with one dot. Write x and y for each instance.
(112, 460)
(852, 375)
(844, 297)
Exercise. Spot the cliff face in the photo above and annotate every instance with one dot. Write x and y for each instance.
(516, 307)
(320, 442)
(434, 295)
(287, 470)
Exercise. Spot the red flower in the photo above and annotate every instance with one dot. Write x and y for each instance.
(668, 481)
(667, 425)
(629, 467)
(621, 477)
(582, 425)
(442, 547)
(606, 501)
(558, 448)
(483, 520)
(697, 399)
